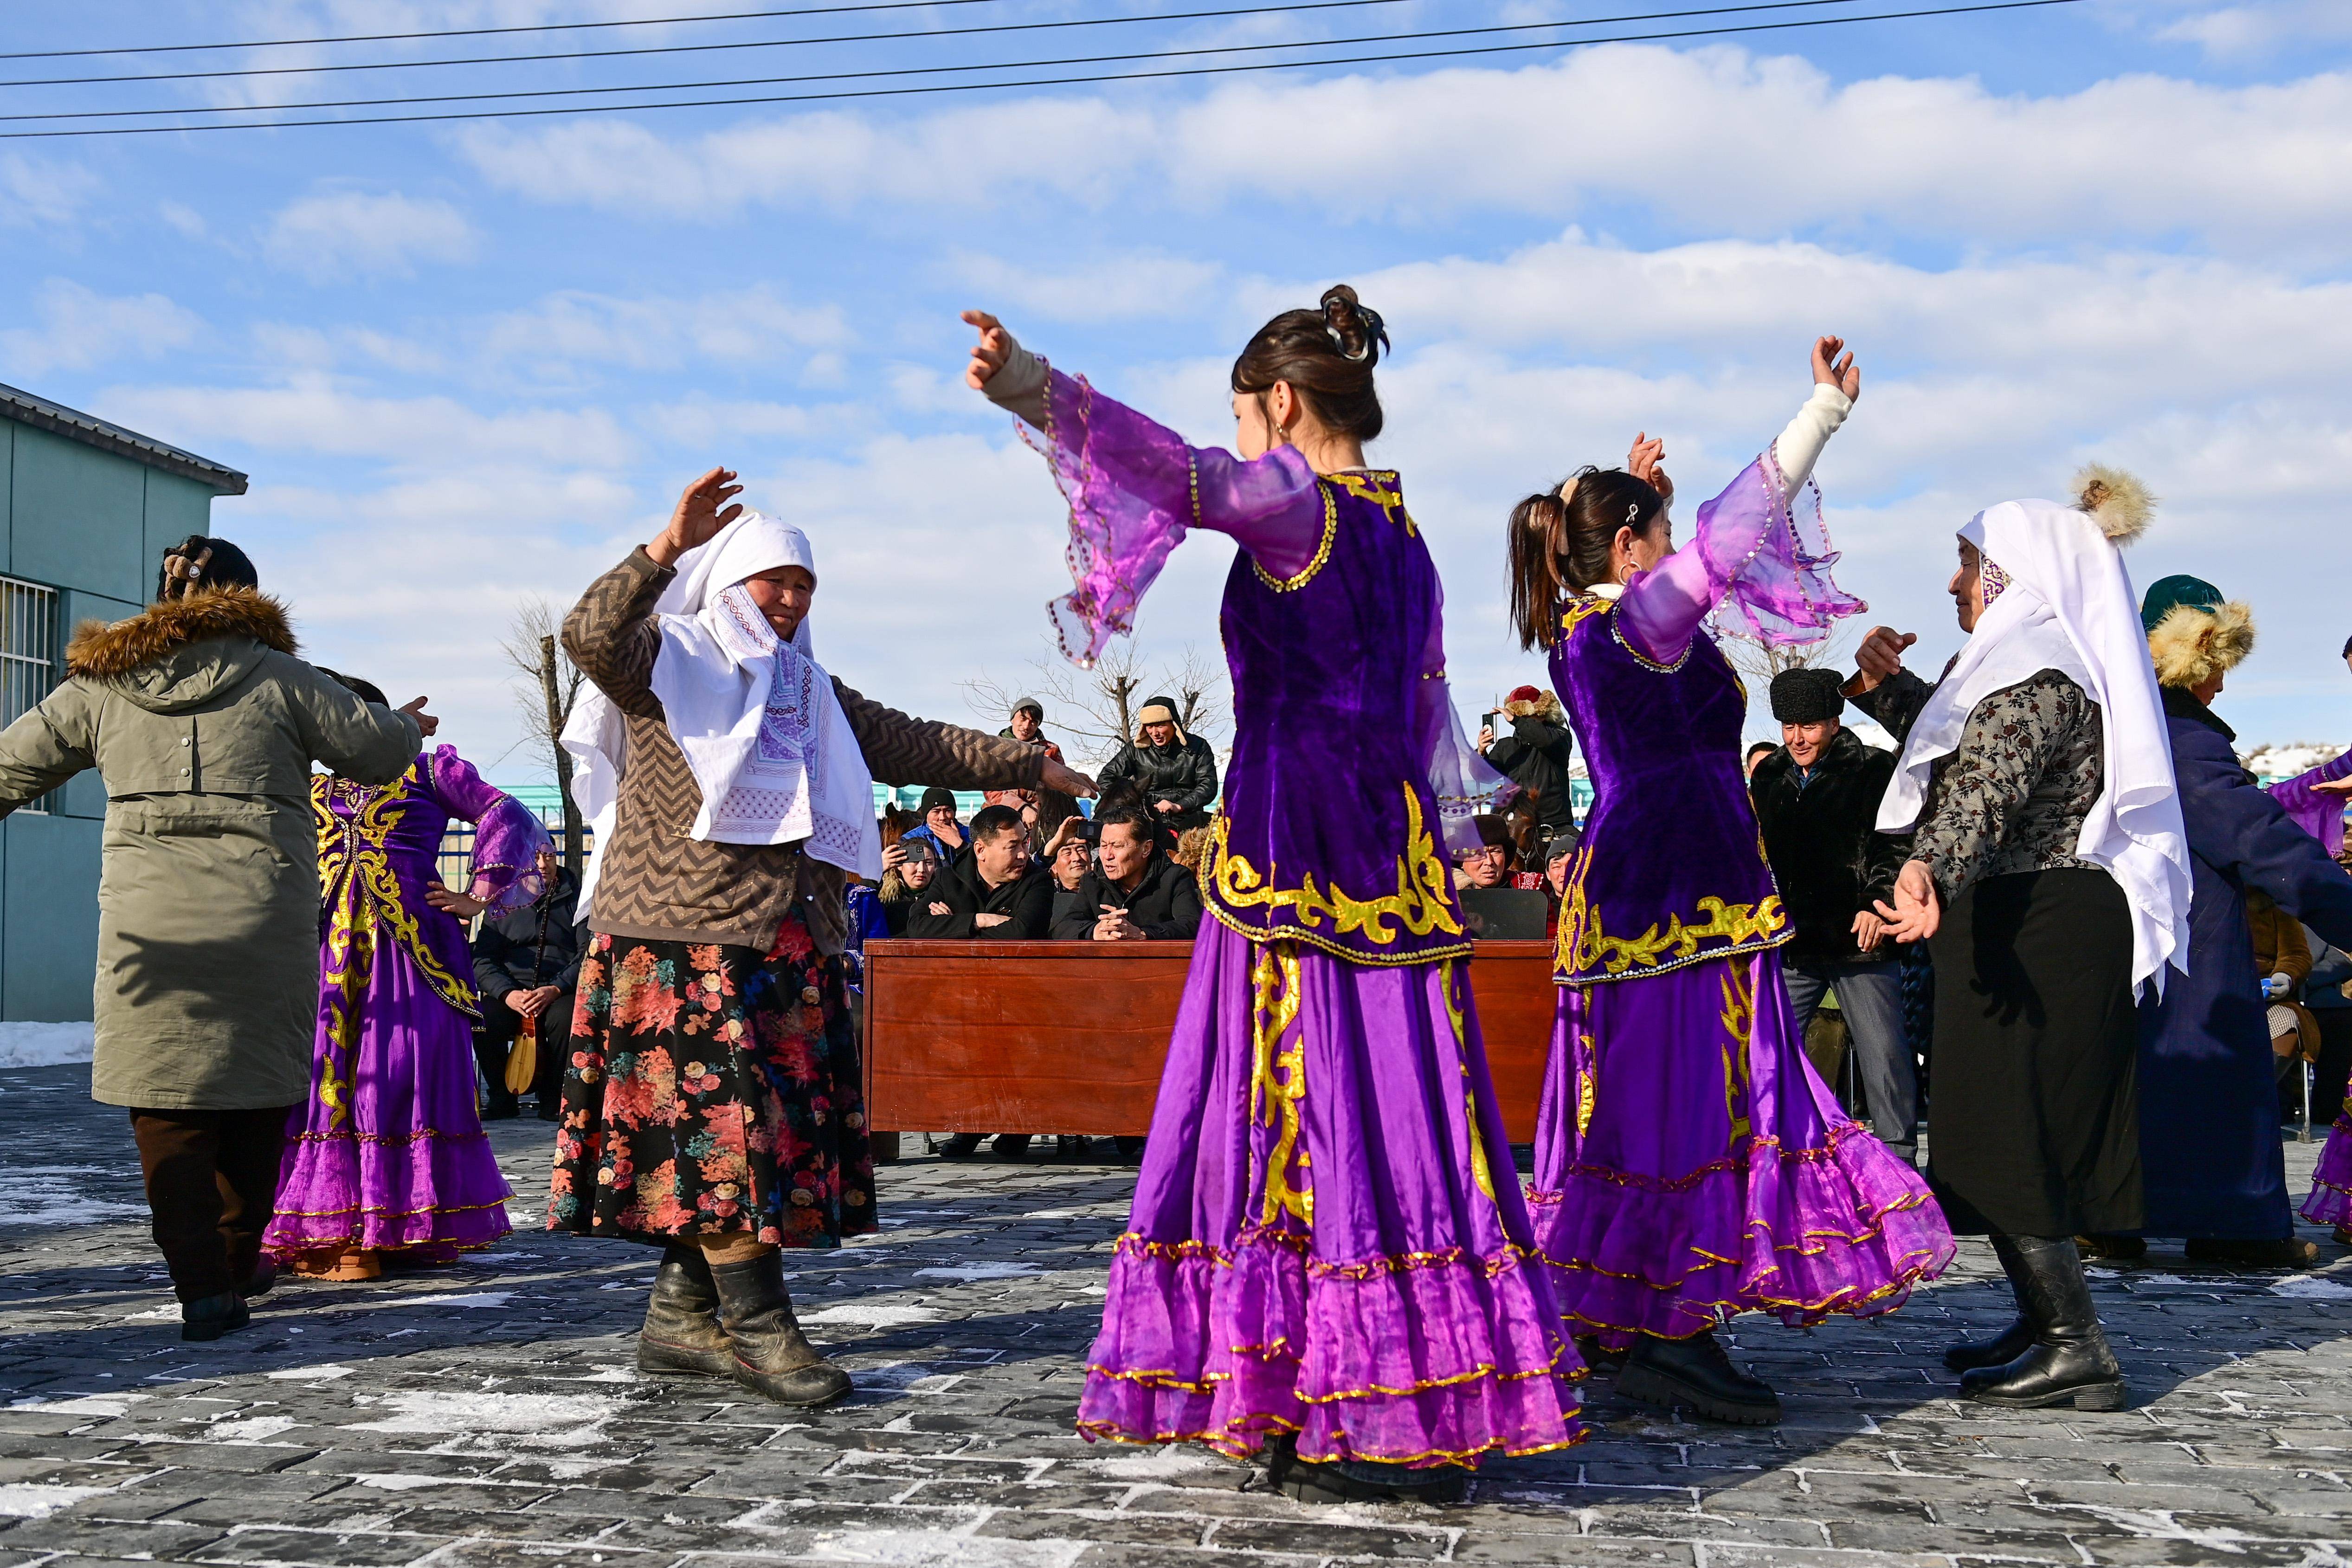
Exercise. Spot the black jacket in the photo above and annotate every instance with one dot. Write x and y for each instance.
(1028, 898)
(1830, 861)
(1166, 904)
(1535, 756)
(538, 944)
(1185, 773)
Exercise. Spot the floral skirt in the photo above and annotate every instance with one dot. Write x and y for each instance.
(711, 1091)
(1690, 1164)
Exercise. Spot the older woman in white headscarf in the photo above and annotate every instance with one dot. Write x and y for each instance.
(2050, 874)
(713, 1101)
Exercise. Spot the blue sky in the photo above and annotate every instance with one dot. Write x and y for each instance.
(469, 365)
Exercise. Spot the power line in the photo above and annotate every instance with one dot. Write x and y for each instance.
(934, 71)
(1043, 81)
(479, 32)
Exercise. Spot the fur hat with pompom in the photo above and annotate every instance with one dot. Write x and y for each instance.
(2194, 633)
(2117, 501)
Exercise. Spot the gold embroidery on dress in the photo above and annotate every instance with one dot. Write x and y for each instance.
(1588, 1088)
(1449, 985)
(1585, 945)
(1581, 609)
(1278, 1079)
(360, 888)
(1739, 1020)
(1322, 551)
(1420, 903)
(1379, 487)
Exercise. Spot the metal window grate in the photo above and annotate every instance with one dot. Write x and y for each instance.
(28, 652)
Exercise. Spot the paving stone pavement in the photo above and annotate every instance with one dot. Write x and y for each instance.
(490, 1414)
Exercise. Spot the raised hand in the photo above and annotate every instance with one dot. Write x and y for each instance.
(989, 354)
(1646, 462)
(426, 721)
(701, 512)
(1063, 779)
(1916, 912)
(1878, 659)
(1831, 371)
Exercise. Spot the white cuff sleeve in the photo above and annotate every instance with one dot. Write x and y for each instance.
(1800, 445)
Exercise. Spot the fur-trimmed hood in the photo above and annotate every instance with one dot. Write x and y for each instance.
(183, 652)
(2190, 646)
(1545, 706)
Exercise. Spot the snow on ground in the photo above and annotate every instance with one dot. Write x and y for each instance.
(25, 1045)
(2289, 759)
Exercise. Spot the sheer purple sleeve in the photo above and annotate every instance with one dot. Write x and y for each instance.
(1461, 781)
(507, 835)
(1134, 487)
(2315, 811)
(1767, 558)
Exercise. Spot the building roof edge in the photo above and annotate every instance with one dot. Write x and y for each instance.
(26, 408)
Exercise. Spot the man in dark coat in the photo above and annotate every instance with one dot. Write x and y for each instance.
(1134, 894)
(1535, 755)
(1817, 801)
(1175, 772)
(527, 965)
(2213, 1170)
(997, 894)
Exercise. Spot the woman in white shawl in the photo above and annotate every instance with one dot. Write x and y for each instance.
(2050, 875)
(713, 1101)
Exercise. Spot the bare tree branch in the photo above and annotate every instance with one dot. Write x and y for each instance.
(1093, 710)
(547, 686)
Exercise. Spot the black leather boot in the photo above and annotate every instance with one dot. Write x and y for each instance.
(1695, 1373)
(1359, 1481)
(2012, 1341)
(682, 1337)
(213, 1316)
(773, 1358)
(960, 1145)
(2069, 1361)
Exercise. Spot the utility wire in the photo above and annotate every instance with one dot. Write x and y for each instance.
(479, 32)
(670, 48)
(1043, 81)
(932, 70)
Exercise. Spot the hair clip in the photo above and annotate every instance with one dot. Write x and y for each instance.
(1373, 327)
(1632, 512)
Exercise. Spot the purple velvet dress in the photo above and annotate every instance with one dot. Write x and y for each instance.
(1689, 1162)
(1326, 1237)
(388, 1153)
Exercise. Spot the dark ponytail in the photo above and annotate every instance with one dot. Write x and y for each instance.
(1327, 354)
(1559, 547)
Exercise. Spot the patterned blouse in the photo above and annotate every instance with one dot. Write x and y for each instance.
(2013, 796)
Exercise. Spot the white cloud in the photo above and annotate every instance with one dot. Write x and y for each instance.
(353, 233)
(739, 326)
(1750, 146)
(2241, 31)
(1119, 288)
(314, 417)
(78, 327)
(42, 190)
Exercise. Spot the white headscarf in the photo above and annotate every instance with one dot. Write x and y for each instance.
(755, 717)
(2068, 605)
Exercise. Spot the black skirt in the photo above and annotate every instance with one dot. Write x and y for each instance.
(2033, 1127)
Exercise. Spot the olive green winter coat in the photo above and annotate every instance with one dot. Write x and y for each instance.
(203, 725)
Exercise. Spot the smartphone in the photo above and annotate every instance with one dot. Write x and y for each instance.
(1492, 723)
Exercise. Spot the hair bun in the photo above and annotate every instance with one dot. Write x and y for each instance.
(1356, 328)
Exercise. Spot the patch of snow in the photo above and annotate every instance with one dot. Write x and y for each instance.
(869, 1315)
(971, 1272)
(1173, 1462)
(27, 1045)
(500, 1422)
(310, 1374)
(402, 1482)
(58, 1196)
(167, 1313)
(252, 1429)
(938, 1549)
(20, 1500)
(2313, 1286)
(492, 1299)
(82, 1403)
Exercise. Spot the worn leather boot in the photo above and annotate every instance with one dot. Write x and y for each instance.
(1696, 1373)
(682, 1337)
(2069, 1361)
(2012, 1341)
(213, 1316)
(771, 1357)
(1359, 1481)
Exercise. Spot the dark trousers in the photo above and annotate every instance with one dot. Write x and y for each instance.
(211, 1186)
(492, 1041)
(1870, 997)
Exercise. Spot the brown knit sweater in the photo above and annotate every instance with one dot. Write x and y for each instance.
(660, 884)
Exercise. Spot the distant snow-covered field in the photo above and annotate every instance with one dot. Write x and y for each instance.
(44, 1044)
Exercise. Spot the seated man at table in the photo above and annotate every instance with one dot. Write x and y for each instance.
(1134, 893)
(997, 894)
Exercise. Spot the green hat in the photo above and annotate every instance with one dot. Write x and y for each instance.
(2165, 594)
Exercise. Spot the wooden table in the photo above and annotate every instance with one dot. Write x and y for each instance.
(1069, 1036)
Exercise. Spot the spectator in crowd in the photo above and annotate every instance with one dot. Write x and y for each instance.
(1042, 810)
(1536, 754)
(997, 894)
(204, 726)
(1134, 894)
(945, 836)
(909, 868)
(1756, 753)
(1176, 773)
(1559, 855)
(2283, 958)
(1817, 802)
(1191, 849)
(527, 965)
(1070, 863)
(1491, 863)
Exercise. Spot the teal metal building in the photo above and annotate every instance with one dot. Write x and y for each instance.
(86, 510)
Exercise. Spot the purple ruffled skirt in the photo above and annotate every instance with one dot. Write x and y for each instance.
(2330, 1202)
(1690, 1164)
(388, 1152)
(1328, 1237)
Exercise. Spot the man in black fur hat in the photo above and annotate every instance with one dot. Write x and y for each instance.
(1817, 801)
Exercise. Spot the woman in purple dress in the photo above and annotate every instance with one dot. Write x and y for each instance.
(1690, 1164)
(1327, 1257)
(388, 1156)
